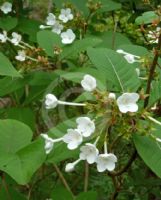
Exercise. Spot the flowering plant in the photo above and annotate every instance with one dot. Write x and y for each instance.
(80, 100)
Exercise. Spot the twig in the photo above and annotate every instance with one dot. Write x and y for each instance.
(62, 178)
(86, 177)
(152, 70)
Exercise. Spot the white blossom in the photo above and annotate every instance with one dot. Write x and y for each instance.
(66, 15)
(88, 83)
(21, 55)
(85, 125)
(50, 20)
(112, 96)
(51, 101)
(130, 58)
(49, 143)
(57, 27)
(16, 38)
(127, 102)
(67, 37)
(154, 35)
(106, 161)
(89, 152)
(6, 7)
(71, 166)
(73, 138)
(3, 37)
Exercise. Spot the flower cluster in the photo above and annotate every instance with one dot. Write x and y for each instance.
(85, 128)
(154, 35)
(6, 7)
(56, 26)
(16, 40)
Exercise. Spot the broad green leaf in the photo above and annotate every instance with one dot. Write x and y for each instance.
(10, 85)
(134, 49)
(115, 68)
(112, 40)
(8, 23)
(109, 5)
(150, 151)
(25, 115)
(155, 94)
(29, 27)
(60, 193)
(48, 41)
(146, 18)
(78, 46)
(6, 67)
(23, 164)
(90, 195)
(14, 135)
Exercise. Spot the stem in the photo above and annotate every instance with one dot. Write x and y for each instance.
(62, 178)
(71, 104)
(152, 70)
(86, 178)
(105, 147)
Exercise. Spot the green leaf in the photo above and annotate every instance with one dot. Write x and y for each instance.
(14, 135)
(61, 194)
(146, 18)
(90, 195)
(112, 40)
(22, 165)
(48, 40)
(6, 67)
(149, 151)
(115, 68)
(8, 23)
(155, 94)
(78, 46)
(25, 115)
(29, 27)
(109, 5)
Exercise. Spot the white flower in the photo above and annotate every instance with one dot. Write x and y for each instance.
(49, 142)
(50, 101)
(85, 125)
(6, 7)
(137, 71)
(73, 138)
(50, 20)
(66, 15)
(89, 152)
(57, 27)
(154, 35)
(89, 83)
(21, 56)
(3, 37)
(16, 38)
(112, 96)
(71, 166)
(127, 102)
(130, 58)
(67, 37)
(106, 162)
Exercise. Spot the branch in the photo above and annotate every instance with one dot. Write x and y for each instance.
(62, 178)
(152, 70)
(86, 178)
